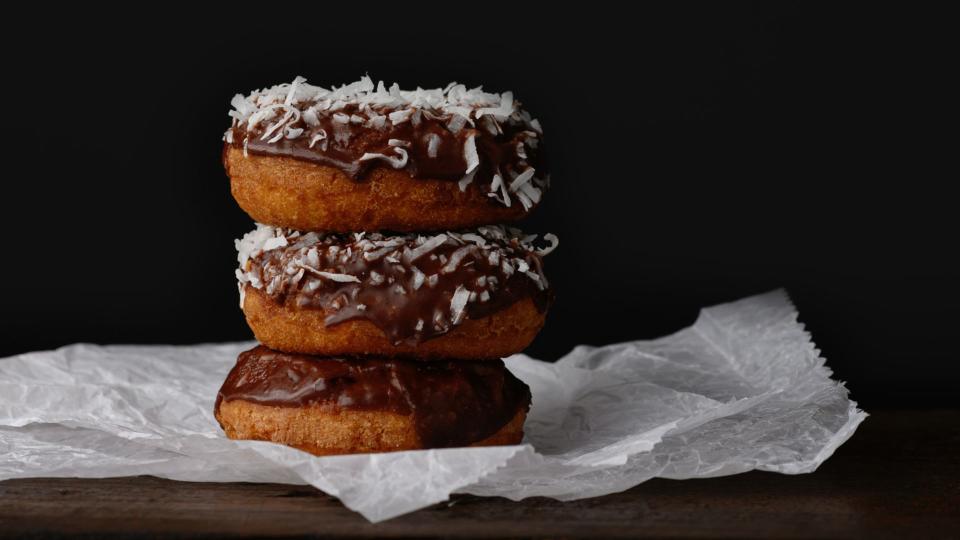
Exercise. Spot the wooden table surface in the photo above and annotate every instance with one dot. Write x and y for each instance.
(899, 476)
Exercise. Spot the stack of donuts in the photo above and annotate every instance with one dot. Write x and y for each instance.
(381, 281)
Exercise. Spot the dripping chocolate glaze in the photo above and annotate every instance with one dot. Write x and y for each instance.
(452, 403)
(346, 143)
(388, 292)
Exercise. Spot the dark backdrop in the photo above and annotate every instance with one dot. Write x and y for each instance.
(700, 155)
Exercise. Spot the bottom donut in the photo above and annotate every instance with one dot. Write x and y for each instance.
(327, 406)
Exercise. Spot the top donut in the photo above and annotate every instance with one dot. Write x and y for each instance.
(367, 157)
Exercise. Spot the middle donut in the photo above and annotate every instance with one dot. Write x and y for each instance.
(453, 295)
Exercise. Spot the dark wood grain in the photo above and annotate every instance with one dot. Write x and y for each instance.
(899, 476)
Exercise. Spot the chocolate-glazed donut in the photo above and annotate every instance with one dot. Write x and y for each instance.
(467, 295)
(365, 157)
(329, 405)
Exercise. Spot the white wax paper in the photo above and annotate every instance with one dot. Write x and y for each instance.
(743, 388)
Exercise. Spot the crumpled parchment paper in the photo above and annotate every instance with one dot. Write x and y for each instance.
(743, 388)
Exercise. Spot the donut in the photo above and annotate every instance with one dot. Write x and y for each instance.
(365, 157)
(480, 294)
(329, 405)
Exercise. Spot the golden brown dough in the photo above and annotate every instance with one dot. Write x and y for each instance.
(297, 194)
(324, 432)
(287, 328)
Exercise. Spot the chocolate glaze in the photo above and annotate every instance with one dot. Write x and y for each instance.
(387, 292)
(347, 143)
(453, 403)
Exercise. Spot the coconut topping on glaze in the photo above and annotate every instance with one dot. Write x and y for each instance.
(467, 136)
(412, 286)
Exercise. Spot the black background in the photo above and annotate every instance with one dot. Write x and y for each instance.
(699, 155)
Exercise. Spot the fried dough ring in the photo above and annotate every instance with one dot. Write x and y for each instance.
(323, 432)
(298, 194)
(294, 330)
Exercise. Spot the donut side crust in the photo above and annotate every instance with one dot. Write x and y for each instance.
(324, 432)
(288, 192)
(293, 330)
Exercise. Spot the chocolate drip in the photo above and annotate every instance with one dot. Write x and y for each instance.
(433, 150)
(409, 300)
(453, 403)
